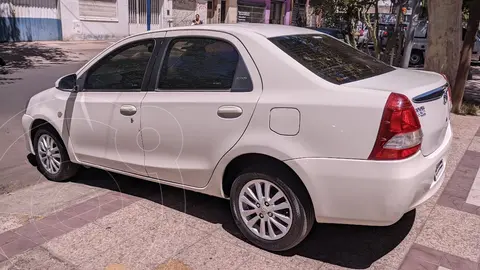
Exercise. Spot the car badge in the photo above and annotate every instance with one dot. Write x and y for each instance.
(421, 111)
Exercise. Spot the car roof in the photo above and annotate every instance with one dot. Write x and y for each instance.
(266, 30)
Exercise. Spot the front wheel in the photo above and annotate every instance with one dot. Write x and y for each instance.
(52, 157)
(268, 212)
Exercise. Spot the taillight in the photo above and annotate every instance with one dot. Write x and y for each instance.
(400, 134)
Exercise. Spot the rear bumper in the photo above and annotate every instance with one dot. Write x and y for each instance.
(365, 192)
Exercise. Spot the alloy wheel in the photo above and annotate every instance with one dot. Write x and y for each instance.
(49, 154)
(265, 209)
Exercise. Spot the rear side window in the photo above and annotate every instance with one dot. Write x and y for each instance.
(330, 59)
(199, 64)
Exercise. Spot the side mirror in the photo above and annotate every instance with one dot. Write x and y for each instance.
(67, 83)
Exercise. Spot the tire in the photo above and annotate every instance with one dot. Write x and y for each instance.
(300, 212)
(66, 169)
(416, 58)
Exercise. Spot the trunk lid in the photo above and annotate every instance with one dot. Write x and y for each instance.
(428, 92)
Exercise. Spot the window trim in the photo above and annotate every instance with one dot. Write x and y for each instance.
(81, 81)
(163, 55)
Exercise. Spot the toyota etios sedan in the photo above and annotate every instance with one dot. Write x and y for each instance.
(292, 125)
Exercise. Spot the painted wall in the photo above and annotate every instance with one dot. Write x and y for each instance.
(268, 5)
(29, 20)
(76, 28)
(183, 11)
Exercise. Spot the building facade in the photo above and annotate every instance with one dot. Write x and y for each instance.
(29, 20)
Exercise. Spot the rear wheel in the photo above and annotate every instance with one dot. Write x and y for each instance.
(52, 157)
(268, 211)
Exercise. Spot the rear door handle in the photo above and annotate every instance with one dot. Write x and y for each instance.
(229, 112)
(128, 110)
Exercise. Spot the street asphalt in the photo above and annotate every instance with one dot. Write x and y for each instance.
(15, 90)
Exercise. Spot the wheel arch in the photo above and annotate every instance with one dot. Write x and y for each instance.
(243, 161)
(41, 122)
(37, 124)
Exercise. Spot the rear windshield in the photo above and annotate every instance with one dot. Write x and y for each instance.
(330, 59)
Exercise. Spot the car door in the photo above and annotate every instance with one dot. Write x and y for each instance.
(207, 89)
(105, 125)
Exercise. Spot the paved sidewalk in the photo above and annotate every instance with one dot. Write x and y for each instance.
(106, 221)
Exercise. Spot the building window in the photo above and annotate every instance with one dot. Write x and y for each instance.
(250, 12)
(102, 10)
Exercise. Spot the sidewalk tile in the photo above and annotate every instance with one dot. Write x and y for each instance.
(262, 263)
(213, 253)
(55, 218)
(443, 232)
(82, 244)
(39, 234)
(75, 223)
(475, 144)
(132, 219)
(230, 234)
(426, 254)
(83, 207)
(414, 263)
(36, 258)
(17, 246)
(7, 237)
(148, 249)
(456, 263)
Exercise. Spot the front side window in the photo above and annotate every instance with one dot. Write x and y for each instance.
(199, 64)
(123, 69)
(331, 59)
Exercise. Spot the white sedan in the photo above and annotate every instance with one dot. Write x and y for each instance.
(293, 126)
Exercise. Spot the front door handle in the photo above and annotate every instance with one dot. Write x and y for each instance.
(229, 112)
(128, 110)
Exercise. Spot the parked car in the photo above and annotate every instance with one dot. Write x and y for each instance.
(334, 32)
(417, 56)
(291, 125)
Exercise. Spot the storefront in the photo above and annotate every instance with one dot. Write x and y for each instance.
(264, 11)
(251, 11)
(299, 13)
(277, 12)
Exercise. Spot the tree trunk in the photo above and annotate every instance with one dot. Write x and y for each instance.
(395, 34)
(392, 40)
(412, 25)
(466, 56)
(372, 28)
(398, 53)
(444, 37)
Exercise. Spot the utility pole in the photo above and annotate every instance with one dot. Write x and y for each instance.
(149, 14)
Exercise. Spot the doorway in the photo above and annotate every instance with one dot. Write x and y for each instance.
(276, 14)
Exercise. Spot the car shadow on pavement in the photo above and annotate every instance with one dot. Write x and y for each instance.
(343, 245)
